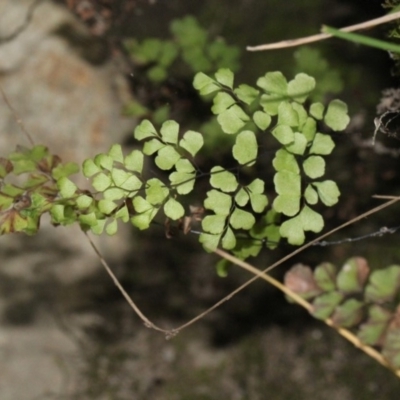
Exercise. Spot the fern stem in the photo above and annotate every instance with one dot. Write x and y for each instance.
(370, 351)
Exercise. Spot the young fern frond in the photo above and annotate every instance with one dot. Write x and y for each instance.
(354, 298)
(235, 209)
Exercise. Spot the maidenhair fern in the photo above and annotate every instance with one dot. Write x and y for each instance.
(248, 112)
(235, 214)
(190, 43)
(236, 207)
(353, 297)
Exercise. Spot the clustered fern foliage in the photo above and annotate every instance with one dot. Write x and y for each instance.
(30, 187)
(235, 213)
(354, 297)
(190, 43)
(174, 60)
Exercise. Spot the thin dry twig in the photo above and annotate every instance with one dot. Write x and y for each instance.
(322, 36)
(384, 197)
(308, 306)
(282, 260)
(370, 351)
(263, 275)
(18, 120)
(266, 277)
(169, 333)
(135, 308)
